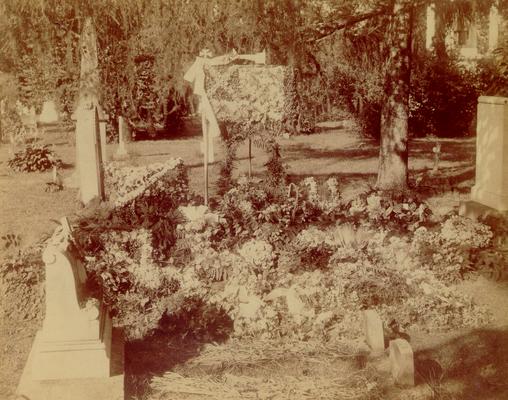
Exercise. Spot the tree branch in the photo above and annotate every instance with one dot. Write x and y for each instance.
(325, 29)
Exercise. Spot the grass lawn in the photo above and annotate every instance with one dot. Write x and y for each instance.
(472, 358)
(27, 210)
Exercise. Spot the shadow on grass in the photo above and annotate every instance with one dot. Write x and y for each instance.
(301, 151)
(179, 338)
(451, 150)
(477, 360)
(451, 179)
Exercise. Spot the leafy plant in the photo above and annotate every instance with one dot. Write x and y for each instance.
(34, 158)
(398, 211)
(22, 276)
(444, 96)
(11, 240)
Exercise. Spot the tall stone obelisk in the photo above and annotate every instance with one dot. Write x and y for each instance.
(89, 146)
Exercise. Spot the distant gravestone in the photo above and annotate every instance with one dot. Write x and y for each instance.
(373, 328)
(123, 138)
(402, 362)
(103, 119)
(49, 114)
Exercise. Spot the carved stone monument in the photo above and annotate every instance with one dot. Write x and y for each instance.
(91, 175)
(88, 99)
(76, 350)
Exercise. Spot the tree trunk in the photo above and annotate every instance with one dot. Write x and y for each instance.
(393, 155)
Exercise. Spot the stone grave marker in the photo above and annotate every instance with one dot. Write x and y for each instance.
(88, 99)
(49, 114)
(77, 354)
(123, 137)
(491, 183)
(89, 156)
(373, 328)
(402, 362)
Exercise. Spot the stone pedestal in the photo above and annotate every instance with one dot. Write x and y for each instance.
(109, 387)
(75, 347)
(491, 185)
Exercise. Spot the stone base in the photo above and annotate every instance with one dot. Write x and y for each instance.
(475, 210)
(121, 154)
(111, 388)
(71, 181)
(497, 201)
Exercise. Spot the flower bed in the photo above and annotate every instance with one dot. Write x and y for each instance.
(298, 261)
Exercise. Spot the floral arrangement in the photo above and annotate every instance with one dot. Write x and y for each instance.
(448, 251)
(127, 182)
(251, 95)
(293, 263)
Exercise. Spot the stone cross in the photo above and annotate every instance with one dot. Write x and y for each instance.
(373, 328)
(402, 362)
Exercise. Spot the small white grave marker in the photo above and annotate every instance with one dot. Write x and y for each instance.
(373, 328)
(123, 132)
(402, 362)
(49, 114)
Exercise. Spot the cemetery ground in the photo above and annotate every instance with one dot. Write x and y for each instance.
(458, 364)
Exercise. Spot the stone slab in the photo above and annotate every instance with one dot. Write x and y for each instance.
(475, 210)
(402, 362)
(373, 328)
(111, 388)
(491, 180)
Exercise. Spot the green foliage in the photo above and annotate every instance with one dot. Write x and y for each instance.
(197, 319)
(397, 211)
(52, 187)
(13, 129)
(11, 240)
(444, 96)
(22, 276)
(34, 158)
(153, 209)
(127, 247)
(449, 252)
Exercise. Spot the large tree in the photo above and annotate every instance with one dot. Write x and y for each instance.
(393, 154)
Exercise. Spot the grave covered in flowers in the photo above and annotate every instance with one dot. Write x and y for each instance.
(296, 262)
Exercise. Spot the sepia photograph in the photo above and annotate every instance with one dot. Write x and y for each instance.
(254, 199)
